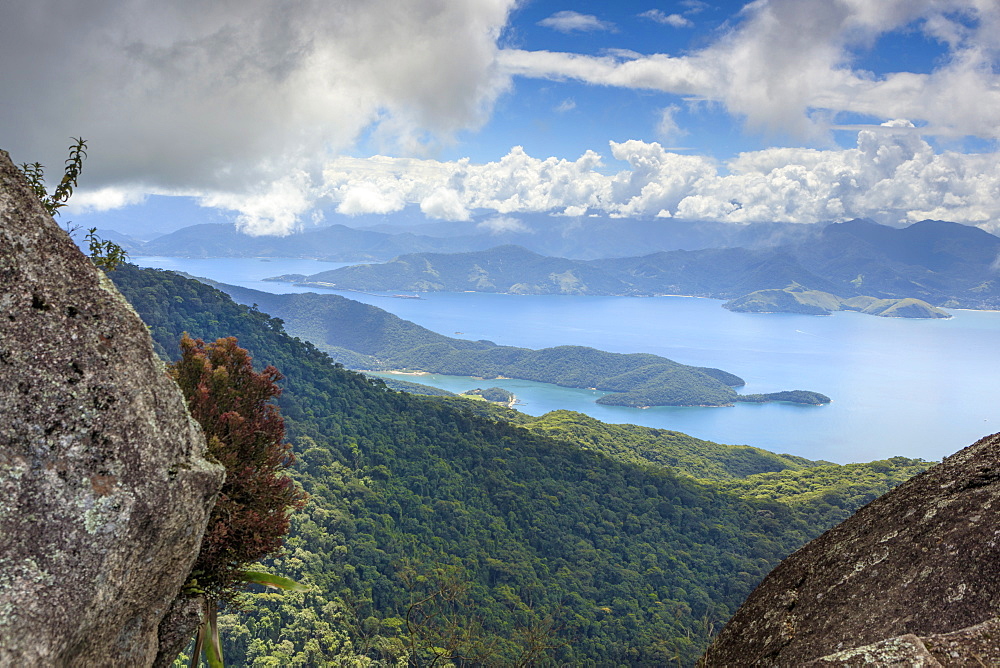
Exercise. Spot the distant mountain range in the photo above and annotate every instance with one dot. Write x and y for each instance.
(944, 264)
(582, 239)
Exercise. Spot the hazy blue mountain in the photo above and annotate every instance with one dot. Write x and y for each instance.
(716, 272)
(510, 269)
(335, 243)
(131, 245)
(944, 264)
(605, 237)
(575, 238)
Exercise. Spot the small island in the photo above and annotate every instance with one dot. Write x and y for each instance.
(793, 397)
(496, 395)
(798, 299)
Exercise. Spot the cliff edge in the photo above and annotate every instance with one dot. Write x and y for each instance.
(913, 578)
(104, 488)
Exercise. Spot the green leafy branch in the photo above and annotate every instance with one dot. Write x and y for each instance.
(104, 253)
(35, 174)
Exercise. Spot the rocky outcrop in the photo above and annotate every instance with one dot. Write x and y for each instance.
(104, 489)
(917, 570)
(978, 645)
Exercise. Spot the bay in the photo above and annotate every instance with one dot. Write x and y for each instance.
(917, 388)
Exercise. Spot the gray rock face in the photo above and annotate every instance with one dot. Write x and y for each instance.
(922, 561)
(104, 489)
(977, 645)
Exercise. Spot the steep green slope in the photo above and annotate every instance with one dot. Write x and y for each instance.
(366, 337)
(663, 447)
(600, 561)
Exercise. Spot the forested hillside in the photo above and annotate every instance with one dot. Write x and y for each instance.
(366, 337)
(440, 523)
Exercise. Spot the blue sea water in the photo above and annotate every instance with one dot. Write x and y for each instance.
(918, 388)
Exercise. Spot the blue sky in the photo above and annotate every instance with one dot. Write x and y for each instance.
(283, 116)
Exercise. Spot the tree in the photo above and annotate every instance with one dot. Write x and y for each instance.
(245, 433)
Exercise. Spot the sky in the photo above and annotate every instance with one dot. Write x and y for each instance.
(282, 114)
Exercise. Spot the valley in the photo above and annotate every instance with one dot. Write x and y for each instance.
(553, 528)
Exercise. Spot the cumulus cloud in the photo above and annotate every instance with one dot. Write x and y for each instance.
(274, 210)
(892, 175)
(784, 60)
(675, 20)
(229, 98)
(570, 21)
(445, 204)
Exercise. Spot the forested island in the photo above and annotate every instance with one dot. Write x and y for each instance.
(368, 338)
(559, 537)
(496, 395)
(797, 299)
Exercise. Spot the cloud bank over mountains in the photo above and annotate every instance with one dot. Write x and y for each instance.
(892, 175)
(252, 106)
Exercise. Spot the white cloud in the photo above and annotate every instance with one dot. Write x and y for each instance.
(195, 98)
(570, 21)
(502, 224)
(694, 6)
(667, 127)
(566, 105)
(103, 199)
(273, 208)
(446, 204)
(675, 20)
(891, 175)
(368, 198)
(784, 60)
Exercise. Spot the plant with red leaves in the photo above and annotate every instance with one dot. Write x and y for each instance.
(245, 433)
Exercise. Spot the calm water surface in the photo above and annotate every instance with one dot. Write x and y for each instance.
(919, 388)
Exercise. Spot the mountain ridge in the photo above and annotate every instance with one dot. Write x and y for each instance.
(848, 260)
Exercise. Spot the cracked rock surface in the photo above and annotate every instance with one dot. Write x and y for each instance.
(104, 488)
(919, 563)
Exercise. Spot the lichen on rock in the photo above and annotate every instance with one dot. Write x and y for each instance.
(922, 560)
(104, 485)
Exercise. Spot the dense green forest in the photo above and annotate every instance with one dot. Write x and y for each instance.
(362, 336)
(466, 531)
